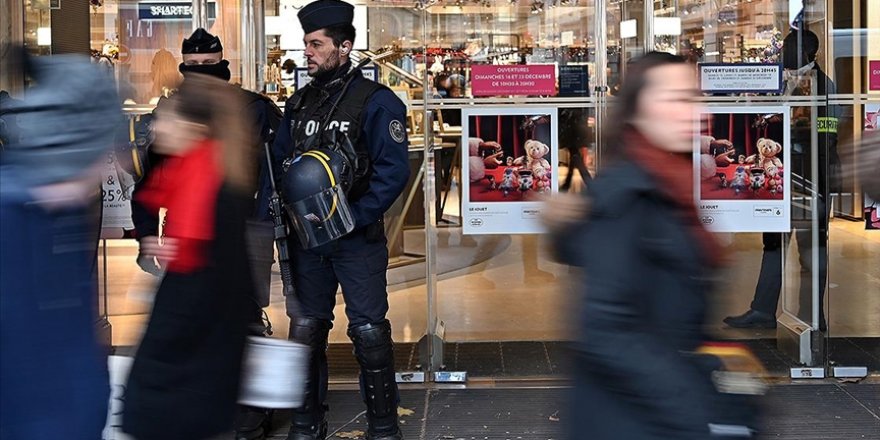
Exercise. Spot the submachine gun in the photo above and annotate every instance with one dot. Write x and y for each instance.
(279, 230)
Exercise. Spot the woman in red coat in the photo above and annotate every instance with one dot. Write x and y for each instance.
(185, 377)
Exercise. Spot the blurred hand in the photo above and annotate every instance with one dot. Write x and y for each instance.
(70, 194)
(154, 257)
(861, 161)
(564, 209)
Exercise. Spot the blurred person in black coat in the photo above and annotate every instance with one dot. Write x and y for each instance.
(648, 265)
(185, 376)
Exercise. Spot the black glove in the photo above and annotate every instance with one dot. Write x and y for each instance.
(148, 264)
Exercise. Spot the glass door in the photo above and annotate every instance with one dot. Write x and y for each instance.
(511, 96)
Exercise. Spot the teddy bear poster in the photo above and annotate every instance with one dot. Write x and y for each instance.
(509, 157)
(742, 156)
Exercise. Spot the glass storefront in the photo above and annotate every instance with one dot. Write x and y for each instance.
(482, 80)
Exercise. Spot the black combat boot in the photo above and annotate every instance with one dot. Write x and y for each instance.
(252, 423)
(308, 421)
(375, 354)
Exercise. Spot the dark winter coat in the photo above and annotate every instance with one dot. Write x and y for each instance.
(643, 310)
(185, 377)
(53, 373)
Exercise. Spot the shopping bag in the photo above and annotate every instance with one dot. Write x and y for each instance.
(872, 216)
(119, 367)
(274, 374)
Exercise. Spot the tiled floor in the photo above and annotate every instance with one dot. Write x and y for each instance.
(793, 412)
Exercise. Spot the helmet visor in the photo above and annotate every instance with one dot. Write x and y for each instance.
(322, 217)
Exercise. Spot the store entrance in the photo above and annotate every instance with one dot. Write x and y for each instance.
(510, 312)
(495, 86)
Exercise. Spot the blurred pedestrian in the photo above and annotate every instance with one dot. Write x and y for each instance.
(647, 263)
(185, 376)
(203, 53)
(53, 372)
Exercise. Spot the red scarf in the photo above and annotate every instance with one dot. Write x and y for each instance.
(674, 175)
(187, 187)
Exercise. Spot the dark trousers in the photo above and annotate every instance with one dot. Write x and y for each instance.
(575, 161)
(770, 278)
(355, 263)
(261, 252)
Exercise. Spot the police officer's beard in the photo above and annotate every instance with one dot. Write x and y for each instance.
(328, 67)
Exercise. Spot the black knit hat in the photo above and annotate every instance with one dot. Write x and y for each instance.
(322, 14)
(201, 41)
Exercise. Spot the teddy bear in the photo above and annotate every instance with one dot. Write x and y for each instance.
(774, 180)
(534, 161)
(768, 149)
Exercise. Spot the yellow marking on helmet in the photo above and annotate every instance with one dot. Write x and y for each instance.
(325, 160)
(322, 154)
(135, 161)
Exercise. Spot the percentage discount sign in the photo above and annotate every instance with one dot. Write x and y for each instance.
(117, 209)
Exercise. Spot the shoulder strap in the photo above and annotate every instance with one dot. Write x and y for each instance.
(357, 98)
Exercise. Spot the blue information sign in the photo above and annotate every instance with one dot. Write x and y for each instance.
(574, 81)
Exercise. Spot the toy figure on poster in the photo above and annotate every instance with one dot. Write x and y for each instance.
(508, 182)
(739, 180)
(492, 185)
(526, 180)
(757, 179)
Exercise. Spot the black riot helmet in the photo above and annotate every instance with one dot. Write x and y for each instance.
(314, 171)
(314, 188)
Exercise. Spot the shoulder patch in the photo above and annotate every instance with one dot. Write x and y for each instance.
(397, 131)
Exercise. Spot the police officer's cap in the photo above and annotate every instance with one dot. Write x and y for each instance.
(201, 41)
(322, 14)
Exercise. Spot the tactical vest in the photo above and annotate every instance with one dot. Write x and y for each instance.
(309, 108)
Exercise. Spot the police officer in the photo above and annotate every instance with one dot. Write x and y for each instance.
(203, 54)
(339, 103)
(799, 49)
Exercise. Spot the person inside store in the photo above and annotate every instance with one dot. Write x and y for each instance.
(340, 107)
(288, 74)
(452, 117)
(574, 137)
(53, 368)
(184, 379)
(203, 54)
(803, 77)
(441, 85)
(637, 375)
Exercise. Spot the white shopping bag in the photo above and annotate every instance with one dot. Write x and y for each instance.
(119, 367)
(143, 287)
(274, 374)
